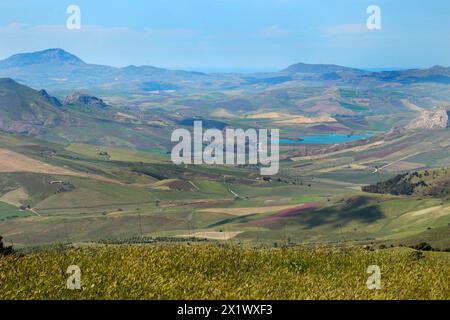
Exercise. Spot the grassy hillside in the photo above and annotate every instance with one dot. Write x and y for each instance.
(211, 272)
(433, 183)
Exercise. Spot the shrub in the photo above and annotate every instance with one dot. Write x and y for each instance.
(5, 250)
(423, 246)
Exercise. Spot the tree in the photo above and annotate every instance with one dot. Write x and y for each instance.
(5, 250)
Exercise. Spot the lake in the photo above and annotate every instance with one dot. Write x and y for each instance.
(326, 139)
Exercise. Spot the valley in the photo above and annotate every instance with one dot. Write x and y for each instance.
(212, 158)
(76, 168)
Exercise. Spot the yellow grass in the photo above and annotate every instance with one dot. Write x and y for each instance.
(307, 120)
(15, 197)
(354, 166)
(268, 115)
(214, 235)
(125, 116)
(433, 212)
(222, 113)
(227, 272)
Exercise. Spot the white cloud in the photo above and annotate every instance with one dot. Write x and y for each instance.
(341, 29)
(274, 32)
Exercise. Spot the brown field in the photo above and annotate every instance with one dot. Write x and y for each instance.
(289, 119)
(41, 229)
(15, 197)
(306, 120)
(426, 211)
(174, 184)
(354, 166)
(214, 235)
(411, 106)
(15, 162)
(353, 149)
(404, 166)
(120, 115)
(247, 211)
(334, 108)
(11, 161)
(222, 113)
(268, 115)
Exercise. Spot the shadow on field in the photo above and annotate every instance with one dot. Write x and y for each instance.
(357, 209)
(341, 217)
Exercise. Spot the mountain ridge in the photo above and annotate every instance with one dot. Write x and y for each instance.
(57, 69)
(25, 110)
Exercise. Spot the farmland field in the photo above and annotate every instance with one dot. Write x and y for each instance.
(230, 272)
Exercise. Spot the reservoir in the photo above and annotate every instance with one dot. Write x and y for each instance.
(326, 139)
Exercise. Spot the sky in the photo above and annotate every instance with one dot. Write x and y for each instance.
(233, 35)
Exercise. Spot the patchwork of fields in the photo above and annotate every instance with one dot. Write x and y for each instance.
(82, 193)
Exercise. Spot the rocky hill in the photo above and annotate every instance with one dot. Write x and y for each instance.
(85, 100)
(25, 110)
(431, 119)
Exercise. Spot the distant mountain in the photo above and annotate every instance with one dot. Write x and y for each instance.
(24, 110)
(437, 74)
(80, 118)
(58, 69)
(46, 57)
(319, 68)
(27, 111)
(323, 72)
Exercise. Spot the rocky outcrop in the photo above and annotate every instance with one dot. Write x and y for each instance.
(431, 119)
(84, 99)
(50, 99)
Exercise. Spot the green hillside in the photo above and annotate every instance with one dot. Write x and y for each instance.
(433, 183)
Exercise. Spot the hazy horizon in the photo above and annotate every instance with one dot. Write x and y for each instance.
(234, 35)
(219, 69)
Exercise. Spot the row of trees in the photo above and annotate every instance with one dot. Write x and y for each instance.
(398, 185)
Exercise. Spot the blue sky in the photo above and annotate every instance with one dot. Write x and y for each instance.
(230, 35)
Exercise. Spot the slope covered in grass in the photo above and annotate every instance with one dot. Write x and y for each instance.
(213, 272)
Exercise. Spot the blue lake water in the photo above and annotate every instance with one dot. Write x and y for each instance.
(326, 139)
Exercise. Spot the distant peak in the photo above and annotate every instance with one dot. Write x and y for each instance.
(438, 68)
(57, 53)
(6, 80)
(54, 55)
(316, 68)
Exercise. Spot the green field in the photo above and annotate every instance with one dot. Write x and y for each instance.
(144, 194)
(8, 211)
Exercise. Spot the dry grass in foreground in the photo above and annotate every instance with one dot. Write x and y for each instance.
(215, 272)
